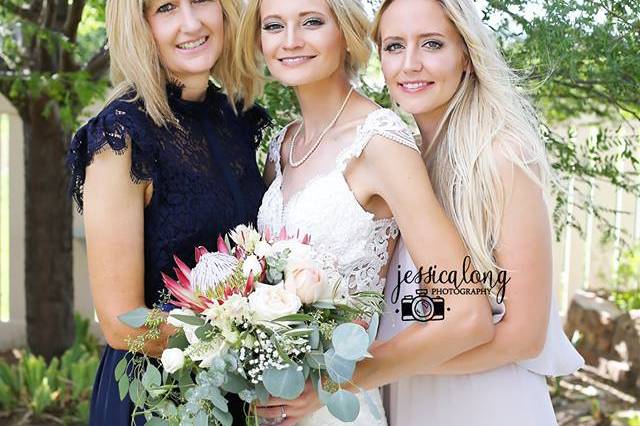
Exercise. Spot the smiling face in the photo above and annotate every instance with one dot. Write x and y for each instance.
(189, 35)
(422, 54)
(301, 41)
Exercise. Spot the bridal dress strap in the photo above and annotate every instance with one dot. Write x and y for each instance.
(275, 146)
(381, 122)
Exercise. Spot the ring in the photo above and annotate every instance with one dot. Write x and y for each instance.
(283, 415)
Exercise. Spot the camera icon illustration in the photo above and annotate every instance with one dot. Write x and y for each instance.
(422, 307)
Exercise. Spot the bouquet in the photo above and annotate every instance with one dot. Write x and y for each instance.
(256, 320)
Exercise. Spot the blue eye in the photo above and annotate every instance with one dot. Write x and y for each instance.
(167, 7)
(432, 44)
(314, 22)
(272, 26)
(392, 47)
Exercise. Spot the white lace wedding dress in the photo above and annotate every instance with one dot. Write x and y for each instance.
(327, 210)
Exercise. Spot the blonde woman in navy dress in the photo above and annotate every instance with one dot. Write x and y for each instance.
(166, 166)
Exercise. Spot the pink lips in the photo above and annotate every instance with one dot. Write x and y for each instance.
(415, 86)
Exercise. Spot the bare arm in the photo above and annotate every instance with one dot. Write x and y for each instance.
(524, 250)
(114, 226)
(431, 239)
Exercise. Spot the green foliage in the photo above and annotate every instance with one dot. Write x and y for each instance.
(61, 389)
(626, 291)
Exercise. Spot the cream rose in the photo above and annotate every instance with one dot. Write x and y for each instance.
(298, 250)
(172, 360)
(269, 302)
(306, 280)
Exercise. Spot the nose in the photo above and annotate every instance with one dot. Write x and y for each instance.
(412, 62)
(190, 21)
(293, 39)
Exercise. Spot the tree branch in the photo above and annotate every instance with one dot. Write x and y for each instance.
(74, 15)
(98, 65)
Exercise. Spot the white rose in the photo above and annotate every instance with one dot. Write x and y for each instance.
(263, 249)
(269, 302)
(176, 322)
(236, 307)
(298, 250)
(172, 360)
(251, 265)
(306, 280)
(213, 312)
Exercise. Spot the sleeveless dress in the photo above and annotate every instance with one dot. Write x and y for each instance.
(513, 394)
(327, 210)
(205, 182)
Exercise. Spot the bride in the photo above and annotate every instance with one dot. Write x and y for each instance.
(349, 174)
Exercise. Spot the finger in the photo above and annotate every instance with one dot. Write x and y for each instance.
(272, 402)
(270, 412)
(362, 323)
(289, 421)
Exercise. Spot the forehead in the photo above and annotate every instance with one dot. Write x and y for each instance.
(293, 7)
(405, 18)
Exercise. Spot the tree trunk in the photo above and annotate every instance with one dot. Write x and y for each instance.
(48, 257)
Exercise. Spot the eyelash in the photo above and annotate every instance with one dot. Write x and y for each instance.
(274, 26)
(429, 44)
(168, 7)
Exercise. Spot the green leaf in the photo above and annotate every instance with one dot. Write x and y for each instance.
(344, 406)
(157, 421)
(373, 327)
(179, 341)
(203, 332)
(340, 370)
(121, 367)
(287, 383)
(152, 377)
(137, 393)
(315, 360)
(225, 418)
(295, 317)
(135, 318)
(324, 305)
(123, 387)
(235, 383)
(189, 319)
(350, 341)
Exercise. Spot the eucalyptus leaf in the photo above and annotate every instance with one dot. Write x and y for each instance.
(350, 341)
(235, 383)
(189, 319)
(121, 367)
(123, 387)
(135, 318)
(287, 383)
(340, 370)
(373, 327)
(344, 406)
(152, 377)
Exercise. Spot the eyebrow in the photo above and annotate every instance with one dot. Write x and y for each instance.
(424, 35)
(301, 14)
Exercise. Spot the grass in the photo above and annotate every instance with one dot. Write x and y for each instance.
(4, 218)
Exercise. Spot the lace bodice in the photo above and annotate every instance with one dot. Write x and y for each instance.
(327, 210)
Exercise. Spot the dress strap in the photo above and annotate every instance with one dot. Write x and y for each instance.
(381, 122)
(275, 147)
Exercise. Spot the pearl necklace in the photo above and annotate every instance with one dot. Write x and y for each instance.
(322, 135)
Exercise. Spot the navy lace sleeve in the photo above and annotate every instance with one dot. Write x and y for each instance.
(116, 127)
(257, 120)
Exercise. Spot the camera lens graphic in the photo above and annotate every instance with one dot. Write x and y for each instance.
(422, 308)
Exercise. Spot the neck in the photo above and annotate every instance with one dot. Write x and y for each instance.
(428, 124)
(319, 102)
(194, 87)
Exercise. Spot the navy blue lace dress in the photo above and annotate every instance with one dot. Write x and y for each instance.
(205, 182)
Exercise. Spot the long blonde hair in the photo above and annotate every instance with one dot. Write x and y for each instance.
(135, 61)
(352, 20)
(487, 116)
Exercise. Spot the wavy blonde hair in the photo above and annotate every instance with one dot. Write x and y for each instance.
(488, 115)
(135, 61)
(352, 20)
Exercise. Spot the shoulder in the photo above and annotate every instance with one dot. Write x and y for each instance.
(384, 127)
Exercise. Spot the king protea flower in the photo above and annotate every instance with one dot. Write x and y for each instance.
(213, 277)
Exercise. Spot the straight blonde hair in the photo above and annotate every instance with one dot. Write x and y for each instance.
(487, 116)
(352, 21)
(135, 61)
